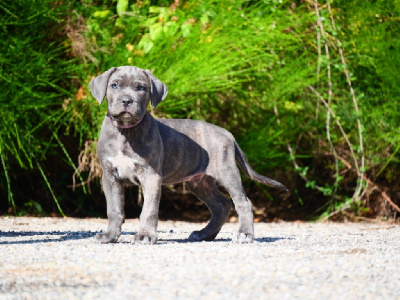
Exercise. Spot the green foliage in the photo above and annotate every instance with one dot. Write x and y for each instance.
(35, 79)
(373, 27)
(308, 90)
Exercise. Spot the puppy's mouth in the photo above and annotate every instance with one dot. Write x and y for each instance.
(124, 120)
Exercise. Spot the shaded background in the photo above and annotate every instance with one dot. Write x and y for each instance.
(310, 89)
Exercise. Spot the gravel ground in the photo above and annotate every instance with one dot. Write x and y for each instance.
(52, 258)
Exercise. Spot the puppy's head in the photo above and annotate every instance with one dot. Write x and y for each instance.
(128, 91)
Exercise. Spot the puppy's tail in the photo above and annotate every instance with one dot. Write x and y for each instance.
(241, 160)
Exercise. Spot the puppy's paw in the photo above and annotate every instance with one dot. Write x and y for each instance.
(198, 236)
(144, 239)
(107, 237)
(242, 238)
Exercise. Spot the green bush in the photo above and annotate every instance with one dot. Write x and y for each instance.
(35, 79)
(309, 89)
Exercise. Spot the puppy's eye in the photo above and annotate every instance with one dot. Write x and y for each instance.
(141, 88)
(114, 85)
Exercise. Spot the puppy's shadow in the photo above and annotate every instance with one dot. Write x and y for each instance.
(48, 236)
(44, 236)
(271, 239)
(63, 236)
(221, 240)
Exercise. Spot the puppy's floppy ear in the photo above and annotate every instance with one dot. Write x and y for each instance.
(158, 89)
(98, 85)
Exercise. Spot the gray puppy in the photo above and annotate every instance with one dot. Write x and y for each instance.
(135, 148)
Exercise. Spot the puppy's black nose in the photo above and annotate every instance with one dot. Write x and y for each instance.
(126, 101)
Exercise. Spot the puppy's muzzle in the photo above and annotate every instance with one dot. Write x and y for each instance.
(124, 120)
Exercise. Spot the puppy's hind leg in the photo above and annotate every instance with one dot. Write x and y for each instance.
(229, 178)
(207, 191)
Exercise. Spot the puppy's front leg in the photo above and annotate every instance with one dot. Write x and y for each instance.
(114, 192)
(147, 234)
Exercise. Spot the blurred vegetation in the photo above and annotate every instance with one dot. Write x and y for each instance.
(309, 89)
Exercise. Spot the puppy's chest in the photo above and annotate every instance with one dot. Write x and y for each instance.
(126, 167)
